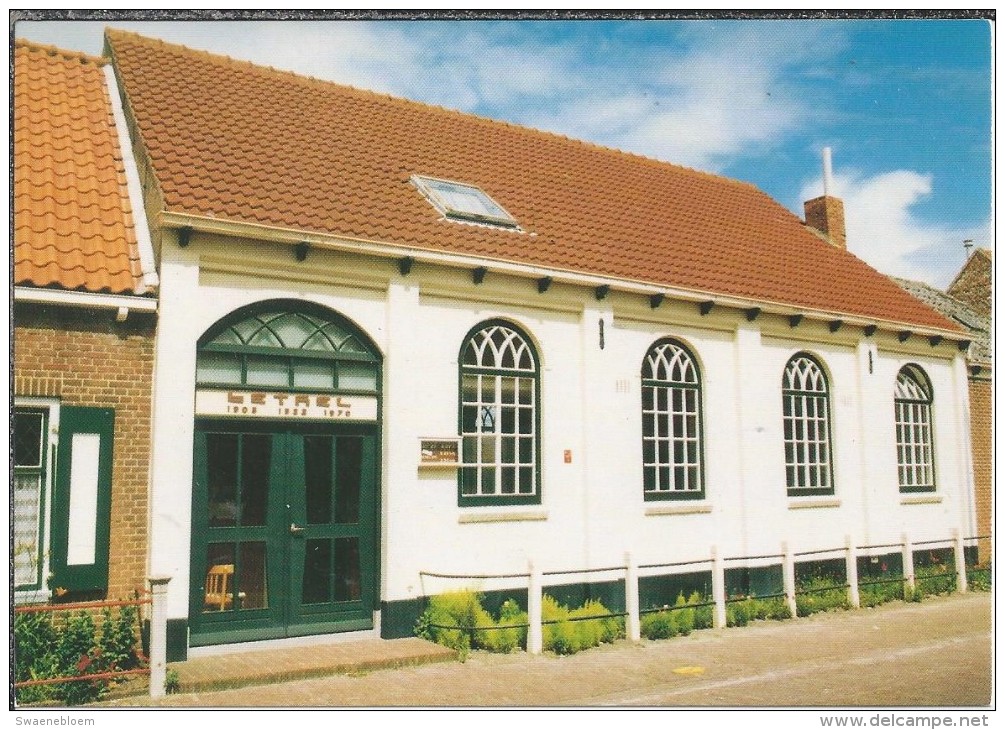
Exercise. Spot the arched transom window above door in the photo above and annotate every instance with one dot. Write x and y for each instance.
(288, 346)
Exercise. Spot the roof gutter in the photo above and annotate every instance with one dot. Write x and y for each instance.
(134, 189)
(294, 236)
(121, 303)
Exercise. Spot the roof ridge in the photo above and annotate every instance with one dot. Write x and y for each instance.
(438, 108)
(61, 52)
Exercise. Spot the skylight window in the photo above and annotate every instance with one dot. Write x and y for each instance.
(458, 201)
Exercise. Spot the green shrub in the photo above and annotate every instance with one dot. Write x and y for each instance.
(118, 639)
(740, 613)
(595, 625)
(78, 655)
(661, 625)
(49, 646)
(564, 636)
(34, 639)
(820, 594)
(558, 634)
(703, 618)
(511, 633)
(935, 579)
(460, 609)
(876, 595)
(979, 578)
(172, 682)
(684, 617)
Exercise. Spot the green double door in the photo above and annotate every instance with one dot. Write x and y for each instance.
(283, 530)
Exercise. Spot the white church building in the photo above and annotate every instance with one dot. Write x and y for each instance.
(396, 340)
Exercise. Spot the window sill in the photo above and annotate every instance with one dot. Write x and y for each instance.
(678, 509)
(922, 499)
(478, 517)
(811, 503)
(30, 596)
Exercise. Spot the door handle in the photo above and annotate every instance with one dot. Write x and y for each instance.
(296, 529)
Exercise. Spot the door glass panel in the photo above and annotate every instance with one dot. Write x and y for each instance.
(256, 454)
(219, 582)
(221, 473)
(317, 572)
(251, 585)
(348, 463)
(318, 475)
(347, 579)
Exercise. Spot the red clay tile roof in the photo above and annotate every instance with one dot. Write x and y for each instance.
(73, 227)
(231, 140)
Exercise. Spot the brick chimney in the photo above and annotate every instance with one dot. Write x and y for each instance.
(826, 213)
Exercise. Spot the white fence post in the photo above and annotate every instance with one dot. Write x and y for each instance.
(907, 568)
(851, 572)
(718, 589)
(789, 577)
(633, 621)
(535, 634)
(158, 634)
(961, 562)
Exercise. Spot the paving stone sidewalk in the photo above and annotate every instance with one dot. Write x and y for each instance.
(936, 653)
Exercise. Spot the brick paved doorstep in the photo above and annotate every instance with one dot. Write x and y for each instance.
(934, 653)
(268, 666)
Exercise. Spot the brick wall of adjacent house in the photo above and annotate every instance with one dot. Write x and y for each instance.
(972, 285)
(981, 445)
(86, 358)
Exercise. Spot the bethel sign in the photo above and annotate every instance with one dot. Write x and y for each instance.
(295, 406)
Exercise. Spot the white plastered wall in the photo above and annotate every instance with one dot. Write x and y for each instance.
(592, 509)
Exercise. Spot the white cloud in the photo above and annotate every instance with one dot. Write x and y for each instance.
(728, 95)
(884, 231)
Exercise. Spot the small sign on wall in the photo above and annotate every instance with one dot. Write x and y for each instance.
(440, 451)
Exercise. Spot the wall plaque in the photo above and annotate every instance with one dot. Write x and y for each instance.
(440, 451)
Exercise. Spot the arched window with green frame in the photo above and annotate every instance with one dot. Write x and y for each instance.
(671, 423)
(806, 422)
(912, 399)
(499, 416)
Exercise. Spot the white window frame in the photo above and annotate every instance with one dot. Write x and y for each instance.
(430, 187)
(42, 592)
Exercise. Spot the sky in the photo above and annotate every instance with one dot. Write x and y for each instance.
(904, 104)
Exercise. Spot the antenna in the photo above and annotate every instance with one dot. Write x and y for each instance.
(828, 176)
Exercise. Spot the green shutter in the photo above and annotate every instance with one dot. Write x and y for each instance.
(83, 486)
